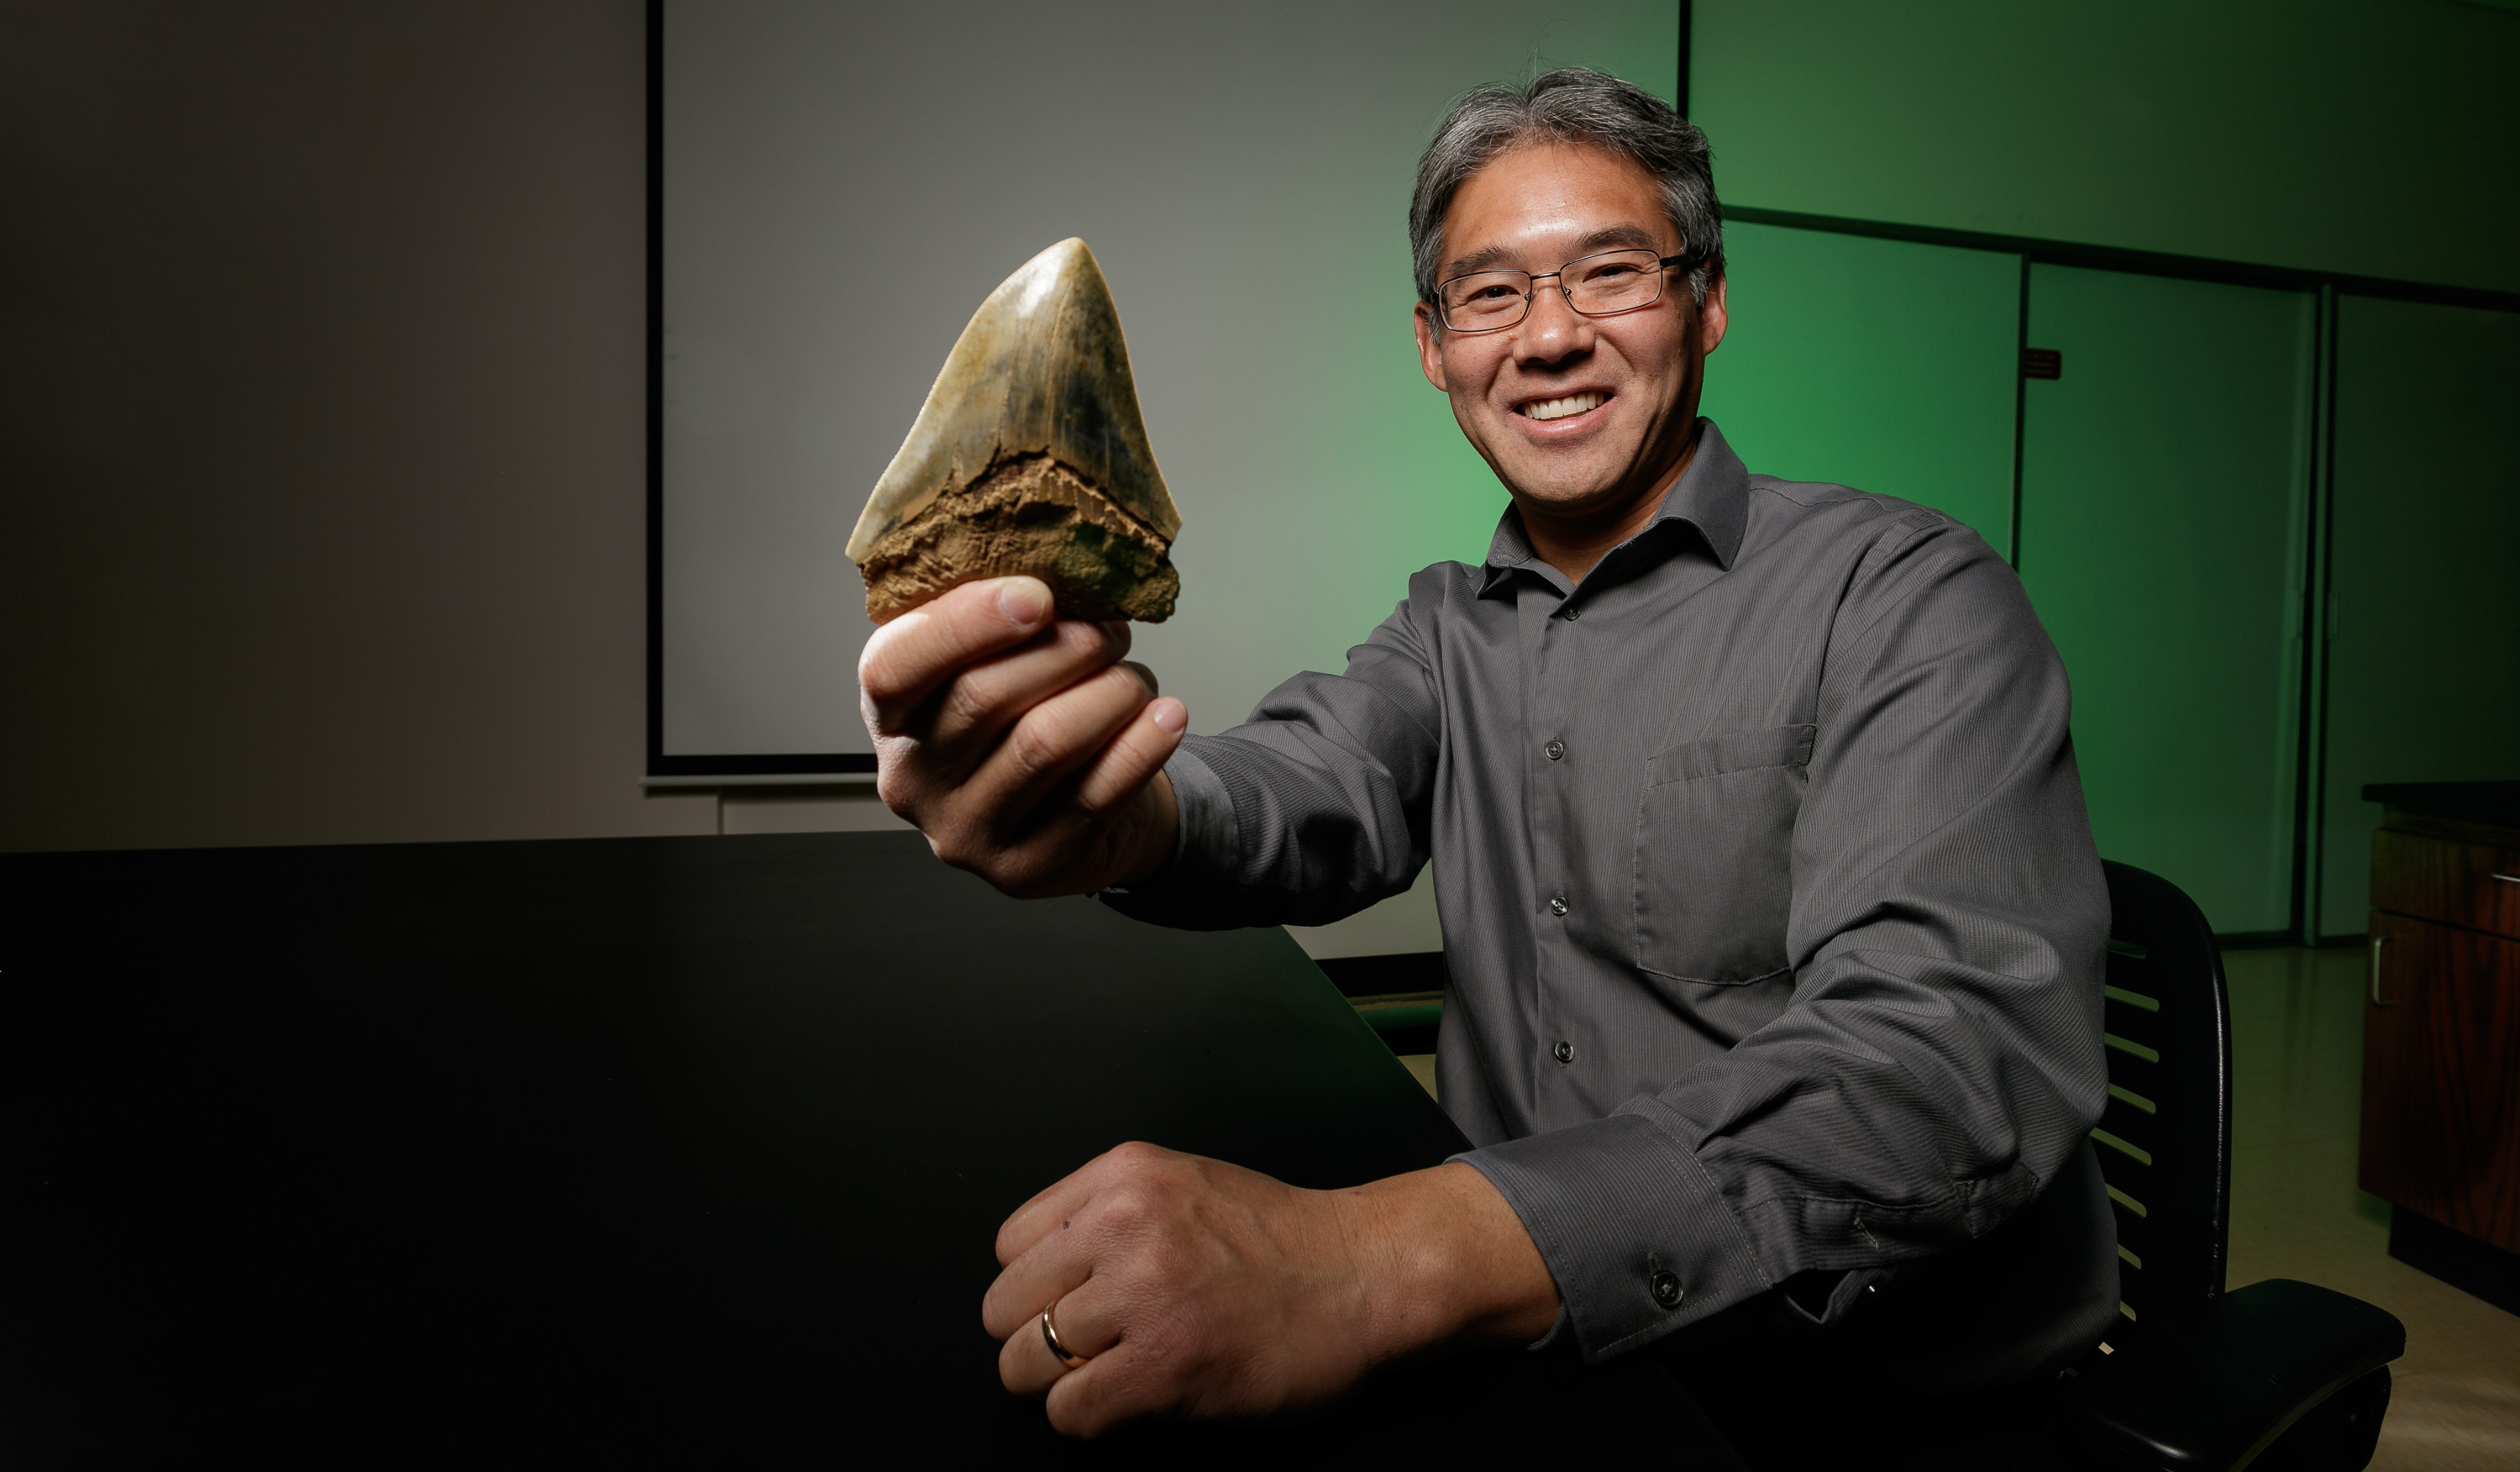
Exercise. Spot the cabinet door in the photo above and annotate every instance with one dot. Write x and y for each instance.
(2440, 1076)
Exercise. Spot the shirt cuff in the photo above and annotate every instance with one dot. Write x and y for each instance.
(1631, 1226)
(1209, 838)
(1205, 841)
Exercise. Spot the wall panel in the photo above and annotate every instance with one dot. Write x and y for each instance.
(1874, 363)
(2164, 517)
(2423, 674)
(2370, 137)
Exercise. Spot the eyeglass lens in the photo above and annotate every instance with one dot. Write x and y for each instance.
(1615, 280)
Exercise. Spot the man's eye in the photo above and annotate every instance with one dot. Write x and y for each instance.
(1493, 293)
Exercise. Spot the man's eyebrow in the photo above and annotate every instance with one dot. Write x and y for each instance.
(1477, 260)
(1616, 236)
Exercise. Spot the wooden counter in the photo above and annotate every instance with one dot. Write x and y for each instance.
(2440, 1040)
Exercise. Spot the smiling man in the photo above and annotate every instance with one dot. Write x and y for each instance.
(1771, 910)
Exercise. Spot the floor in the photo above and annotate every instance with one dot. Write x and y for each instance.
(2296, 1083)
(2296, 1086)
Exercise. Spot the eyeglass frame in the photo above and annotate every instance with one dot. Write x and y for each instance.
(1685, 257)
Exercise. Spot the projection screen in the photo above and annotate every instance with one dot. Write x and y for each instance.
(836, 188)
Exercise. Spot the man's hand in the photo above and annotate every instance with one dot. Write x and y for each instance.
(1026, 750)
(1200, 1288)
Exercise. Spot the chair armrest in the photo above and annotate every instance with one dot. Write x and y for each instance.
(2213, 1388)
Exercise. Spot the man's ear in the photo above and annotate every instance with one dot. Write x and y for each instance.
(1431, 353)
(1712, 318)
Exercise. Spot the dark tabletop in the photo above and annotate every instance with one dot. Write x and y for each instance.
(689, 1148)
(2493, 803)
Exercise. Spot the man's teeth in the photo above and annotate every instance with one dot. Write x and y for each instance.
(1559, 408)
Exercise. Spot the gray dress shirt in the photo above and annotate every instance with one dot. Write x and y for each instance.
(1773, 920)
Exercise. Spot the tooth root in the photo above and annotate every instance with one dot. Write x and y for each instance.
(1029, 456)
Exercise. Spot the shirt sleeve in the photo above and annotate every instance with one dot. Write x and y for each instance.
(1317, 807)
(1940, 1060)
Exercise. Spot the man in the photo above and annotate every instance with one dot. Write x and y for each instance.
(1773, 920)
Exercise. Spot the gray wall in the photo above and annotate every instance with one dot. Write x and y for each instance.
(322, 473)
(322, 455)
(322, 458)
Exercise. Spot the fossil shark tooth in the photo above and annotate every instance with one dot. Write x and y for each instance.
(1029, 456)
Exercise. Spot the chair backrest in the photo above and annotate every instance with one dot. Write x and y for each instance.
(2165, 1141)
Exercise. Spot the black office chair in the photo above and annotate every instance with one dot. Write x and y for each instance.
(2280, 1376)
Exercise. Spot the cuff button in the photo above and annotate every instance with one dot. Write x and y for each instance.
(1666, 1288)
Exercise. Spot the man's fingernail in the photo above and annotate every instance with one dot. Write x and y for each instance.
(1171, 714)
(1025, 599)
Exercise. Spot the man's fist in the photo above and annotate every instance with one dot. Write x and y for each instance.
(1027, 750)
(1199, 1288)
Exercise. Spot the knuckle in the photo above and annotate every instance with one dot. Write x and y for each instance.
(1086, 643)
(876, 671)
(1036, 741)
(1097, 796)
(969, 702)
(954, 846)
(895, 787)
(1136, 1155)
(1127, 684)
(1127, 1207)
(1073, 1415)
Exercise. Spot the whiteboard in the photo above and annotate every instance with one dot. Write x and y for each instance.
(837, 186)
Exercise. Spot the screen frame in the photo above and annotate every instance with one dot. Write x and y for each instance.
(803, 767)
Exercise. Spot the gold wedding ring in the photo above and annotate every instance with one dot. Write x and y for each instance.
(1060, 1352)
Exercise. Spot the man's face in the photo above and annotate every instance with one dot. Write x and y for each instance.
(1631, 381)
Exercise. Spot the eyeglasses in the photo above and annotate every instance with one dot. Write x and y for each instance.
(1596, 286)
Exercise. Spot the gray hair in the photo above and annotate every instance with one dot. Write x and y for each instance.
(1571, 105)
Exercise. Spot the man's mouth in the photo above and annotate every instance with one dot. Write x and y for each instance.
(1567, 406)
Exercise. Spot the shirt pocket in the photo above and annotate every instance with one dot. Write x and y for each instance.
(1715, 835)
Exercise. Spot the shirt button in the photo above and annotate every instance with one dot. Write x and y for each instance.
(1666, 1288)
(1555, 750)
(1573, 612)
(1565, 1052)
(1557, 905)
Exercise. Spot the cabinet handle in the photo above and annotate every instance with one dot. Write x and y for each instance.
(2376, 942)
(2508, 877)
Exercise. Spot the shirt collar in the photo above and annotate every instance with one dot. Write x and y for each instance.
(1712, 496)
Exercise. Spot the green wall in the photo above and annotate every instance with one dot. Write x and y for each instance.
(1378, 481)
(1874, 363)
(2371, 137)
(2172, 499)
(2166, 502)
(2165, 497)
(2423, 682)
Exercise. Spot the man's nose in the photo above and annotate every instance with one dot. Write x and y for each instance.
(1553, 328)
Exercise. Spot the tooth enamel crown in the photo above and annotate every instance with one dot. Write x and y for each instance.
(1029, 456)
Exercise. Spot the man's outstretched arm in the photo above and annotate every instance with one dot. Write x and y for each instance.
(1030, 753)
